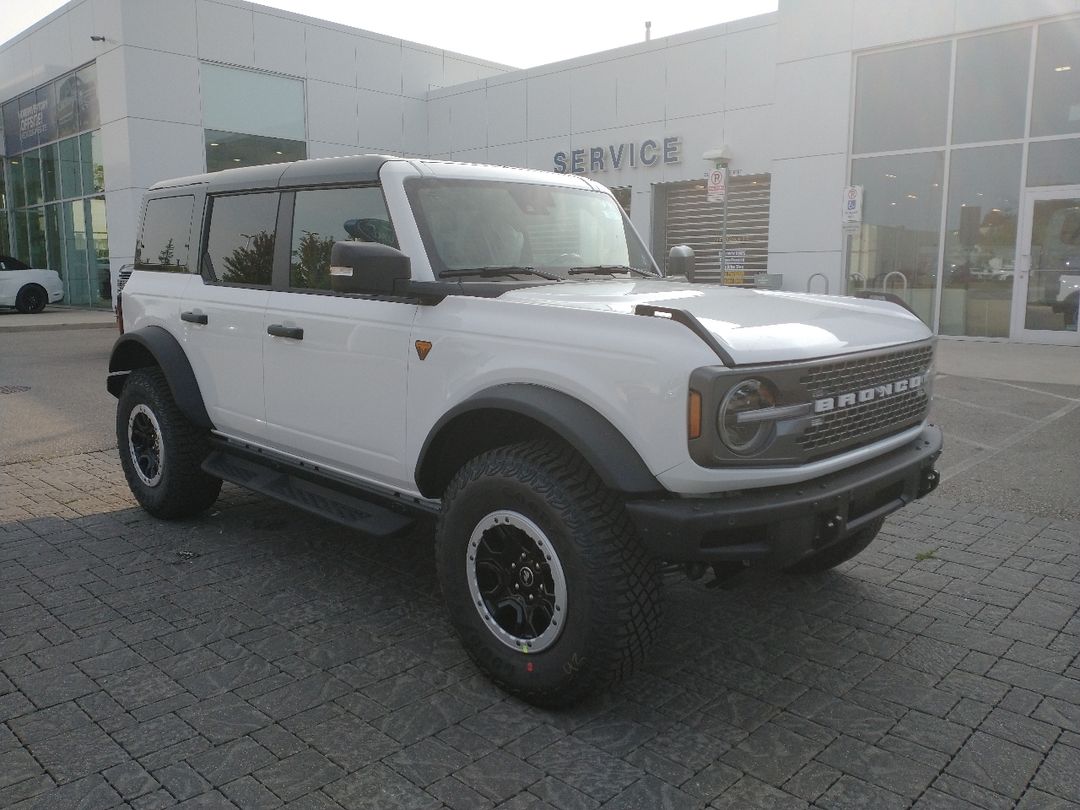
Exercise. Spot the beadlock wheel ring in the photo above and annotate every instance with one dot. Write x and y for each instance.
(516, 581)
(144, 445)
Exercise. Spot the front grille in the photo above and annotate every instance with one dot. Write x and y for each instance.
(857, 424)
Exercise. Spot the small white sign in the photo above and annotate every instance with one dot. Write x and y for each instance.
(852, 210)
(717, 185)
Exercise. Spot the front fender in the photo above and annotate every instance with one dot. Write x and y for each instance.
(155, 346)
(599, 442)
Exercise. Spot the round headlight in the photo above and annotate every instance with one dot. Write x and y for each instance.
(749, 436)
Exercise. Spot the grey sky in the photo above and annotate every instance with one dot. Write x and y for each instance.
(507, 31)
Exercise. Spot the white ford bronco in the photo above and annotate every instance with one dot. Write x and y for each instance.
(375, 338)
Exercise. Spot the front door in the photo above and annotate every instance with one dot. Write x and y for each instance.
(1047, 292)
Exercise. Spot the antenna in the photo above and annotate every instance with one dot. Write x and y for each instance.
(648, 30)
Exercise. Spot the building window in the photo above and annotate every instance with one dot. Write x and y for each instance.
(901, 98)
(990, 99)
(55, 215)
(980, 241)
(251, 118)
(1054, 163)
(1055, 107)
(896, 249)
(230, 150)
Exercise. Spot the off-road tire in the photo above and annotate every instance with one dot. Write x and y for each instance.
(31, 299)
(181, 488)
(613, 587)
(839, 553)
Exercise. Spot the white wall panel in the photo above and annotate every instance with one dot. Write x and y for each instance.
(699, 133)
(112, 91)
(50, 50)
(162, 86)
(548, 105)
(458, 71)
(164, 25)
(331, 110)
(122, 209)
(695, 78)
(538, 152)
(593, 96)
(751, 68)
(885, 22)
(641, 88)
(809, 28)
(331, 56)
(507, 154)
(420, 71)
(319, 149)
(506, 121)
(812, 99)
(161, 150)
(439, 124)
(468, 120)
(971, 15)
(82, 24)
(380, 120)
(16, 70)
(280, 45)
(805, 208)
(750, 132)
(226, 33)
(116, 155)
(414, 123)
(378, 65)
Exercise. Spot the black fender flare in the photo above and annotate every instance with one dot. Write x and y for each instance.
(154, 345)
(598, 441)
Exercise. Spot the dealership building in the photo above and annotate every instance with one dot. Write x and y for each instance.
(926, 149)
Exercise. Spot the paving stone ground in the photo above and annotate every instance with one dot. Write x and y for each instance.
(257, 658)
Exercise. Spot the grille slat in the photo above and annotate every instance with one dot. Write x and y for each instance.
(834, 430)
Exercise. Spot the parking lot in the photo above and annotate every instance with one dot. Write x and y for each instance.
(258, 657)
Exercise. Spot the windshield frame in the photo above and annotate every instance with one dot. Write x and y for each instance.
(413, 186)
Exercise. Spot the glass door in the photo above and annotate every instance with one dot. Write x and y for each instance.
(1047, 292)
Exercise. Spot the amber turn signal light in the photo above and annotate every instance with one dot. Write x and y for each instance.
(693, 415)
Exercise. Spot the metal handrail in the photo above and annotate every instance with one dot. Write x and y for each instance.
(810, 280)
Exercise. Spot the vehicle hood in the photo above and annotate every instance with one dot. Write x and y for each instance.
(754, 326)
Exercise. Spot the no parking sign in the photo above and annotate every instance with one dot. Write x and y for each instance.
(717, 187)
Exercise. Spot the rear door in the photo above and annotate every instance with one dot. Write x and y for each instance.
(336, 366)
(222, 310)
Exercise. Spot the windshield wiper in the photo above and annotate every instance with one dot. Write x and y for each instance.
(609, 269)
(497, 270)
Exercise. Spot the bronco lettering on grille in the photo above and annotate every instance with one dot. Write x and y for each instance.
(877, 392)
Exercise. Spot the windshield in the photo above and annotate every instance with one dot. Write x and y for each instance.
(498, 226)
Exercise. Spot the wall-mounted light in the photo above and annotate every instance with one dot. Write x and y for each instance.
(97, 38)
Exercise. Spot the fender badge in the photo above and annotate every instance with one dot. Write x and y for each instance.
(422, 348)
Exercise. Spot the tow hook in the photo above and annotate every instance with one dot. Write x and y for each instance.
(930, 479)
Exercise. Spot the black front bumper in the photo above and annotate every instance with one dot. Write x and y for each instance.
(781, 525)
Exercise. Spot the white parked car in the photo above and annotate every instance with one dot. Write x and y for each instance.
(26, 288)
(377, 339)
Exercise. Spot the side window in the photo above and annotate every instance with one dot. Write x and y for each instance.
(324, 216)
(240, 245)
(166, 234)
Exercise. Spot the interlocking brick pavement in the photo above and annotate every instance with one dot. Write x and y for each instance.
(257, 657)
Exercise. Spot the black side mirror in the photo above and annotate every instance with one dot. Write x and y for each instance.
(681, 262)
(368, 268)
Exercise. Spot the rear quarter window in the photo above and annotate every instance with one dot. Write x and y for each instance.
(164, 244)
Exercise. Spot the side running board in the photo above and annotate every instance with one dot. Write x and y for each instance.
(324, 497)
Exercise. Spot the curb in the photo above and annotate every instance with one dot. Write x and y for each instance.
(50, 327)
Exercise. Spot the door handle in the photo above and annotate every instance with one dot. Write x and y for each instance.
(194, 317)
(280, 330)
